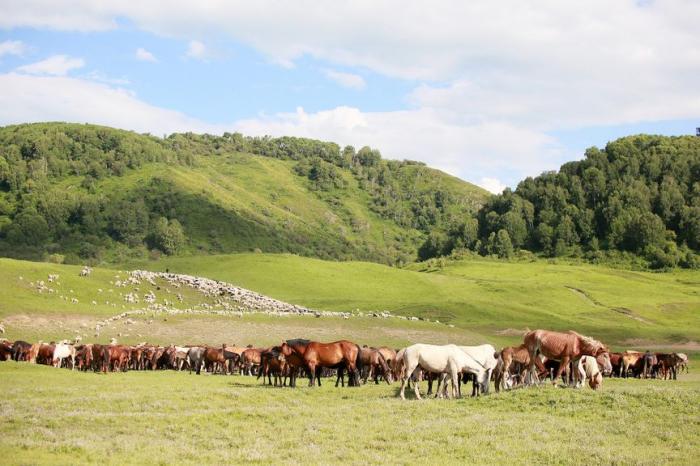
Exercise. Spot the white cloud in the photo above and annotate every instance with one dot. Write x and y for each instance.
(26, 98)
(197, 50)
(492, 185)
(12, 47)
(470, 151)
(499, 75)
(56, 65)
(349, 80)
(144, 55)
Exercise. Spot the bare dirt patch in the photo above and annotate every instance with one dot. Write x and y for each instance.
(652, 345)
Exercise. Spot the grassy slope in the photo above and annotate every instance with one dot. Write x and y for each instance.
(53, 416)
(481, 296)
(238, 202)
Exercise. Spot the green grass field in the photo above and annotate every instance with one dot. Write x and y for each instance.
(52, 416)
(55, 416)
(491, 300)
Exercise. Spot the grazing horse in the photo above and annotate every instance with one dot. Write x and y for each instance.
(5, 350)
(447, 359)
(295, 363)
(195, 356)
(20, 350)
(213, 359)
(667, 364)
(44, 354)
(629, 361)
(485, 358)
(562, 347)
(116, 357)
(616, 364)
(250, 359)
(334, 355)
(374, 364)
(272, 363)
(683, 364)
(515, 364)
(63, 351)
(588, 370)
(83, 357)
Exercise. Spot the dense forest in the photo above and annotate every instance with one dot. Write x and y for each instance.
(76, 193)
(639, 197)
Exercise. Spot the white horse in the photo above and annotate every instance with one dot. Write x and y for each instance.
(61, 351)
(588, 370)
(483, 362)
(447, 359)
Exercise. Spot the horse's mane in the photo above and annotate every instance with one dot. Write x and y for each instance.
(588, 341)
(298, 341)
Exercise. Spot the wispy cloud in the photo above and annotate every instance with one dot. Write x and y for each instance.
(144, 55)
(29, 98)
(12, 47)
(56, 65)
(197, 50)
(349, 80)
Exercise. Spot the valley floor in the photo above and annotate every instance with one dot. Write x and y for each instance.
(55, 416)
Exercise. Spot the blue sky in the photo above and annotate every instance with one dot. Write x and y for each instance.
(488, 92)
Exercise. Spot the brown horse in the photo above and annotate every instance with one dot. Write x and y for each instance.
(5, 350)
(515, 363)
(272, 364)
(116, 357)
(563, 347)
(20, 350)
(214, 359)
(616, 364)
(667, 364)
(317, 355)
(374, 365)
(250, 359)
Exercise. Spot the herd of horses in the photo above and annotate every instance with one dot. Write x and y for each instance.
(576, 358)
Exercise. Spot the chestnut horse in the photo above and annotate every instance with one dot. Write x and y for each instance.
(562, 347)
(335, 355)
(515, 364)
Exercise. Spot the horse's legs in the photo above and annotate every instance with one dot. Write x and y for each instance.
(404, 379)
(562, 365)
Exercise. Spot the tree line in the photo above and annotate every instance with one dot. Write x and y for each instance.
(639, 196)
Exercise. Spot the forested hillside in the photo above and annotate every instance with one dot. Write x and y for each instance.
(639, 196)
(75, 193)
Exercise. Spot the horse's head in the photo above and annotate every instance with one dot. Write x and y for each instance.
(285, 349)
(603, 360)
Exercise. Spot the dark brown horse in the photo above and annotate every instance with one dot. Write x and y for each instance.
(316, 355)
(20, 350)
(562, 347)
(5, 350)
(666, 365)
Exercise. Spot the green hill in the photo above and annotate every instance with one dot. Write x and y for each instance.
(76, 193)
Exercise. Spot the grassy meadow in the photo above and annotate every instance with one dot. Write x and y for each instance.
(54, 416)
(473, 300)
